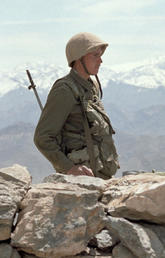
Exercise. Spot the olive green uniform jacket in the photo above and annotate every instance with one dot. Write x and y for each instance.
(60, 129)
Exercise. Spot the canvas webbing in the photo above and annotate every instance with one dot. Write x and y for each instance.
(89, 141)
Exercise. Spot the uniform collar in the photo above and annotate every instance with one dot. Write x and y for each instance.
(87, 84)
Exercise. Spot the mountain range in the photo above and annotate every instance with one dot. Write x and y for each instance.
(134, 100)
(150, 74)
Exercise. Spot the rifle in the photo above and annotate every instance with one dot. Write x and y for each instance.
(33, 86)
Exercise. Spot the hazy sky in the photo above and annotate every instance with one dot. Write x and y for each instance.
(37, 30)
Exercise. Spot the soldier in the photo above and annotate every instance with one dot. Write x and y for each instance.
(74, 133)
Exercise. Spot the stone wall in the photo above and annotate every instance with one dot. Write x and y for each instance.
(83, 217)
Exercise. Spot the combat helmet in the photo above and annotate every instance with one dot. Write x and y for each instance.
(81, 44)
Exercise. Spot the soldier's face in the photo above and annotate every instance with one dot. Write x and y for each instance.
(93, 61)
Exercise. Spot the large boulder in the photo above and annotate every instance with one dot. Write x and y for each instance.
(90, 183)
(139, 239)
(137, 197)
(14, 183)
(58, 219)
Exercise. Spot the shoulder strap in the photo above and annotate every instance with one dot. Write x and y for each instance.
(89, 141)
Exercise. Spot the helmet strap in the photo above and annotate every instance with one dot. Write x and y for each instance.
(84, 66)
(100, 88)
(97, 78)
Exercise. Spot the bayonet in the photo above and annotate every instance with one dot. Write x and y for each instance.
(33, 86)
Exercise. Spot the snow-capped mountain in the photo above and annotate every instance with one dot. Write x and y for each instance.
(42, 73)
(148, 75)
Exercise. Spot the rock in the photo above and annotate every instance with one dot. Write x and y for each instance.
(133, 172)
(28, 256)
(18, 172)
(157, 237)
(14, 183)
(94, 252)
(104, 240)
(7, 211)
(69, 216)
(58, 220)
(120, 251)
(160, 173)
(6, 251)
(140, 240)
(139, 197)
(90, 183)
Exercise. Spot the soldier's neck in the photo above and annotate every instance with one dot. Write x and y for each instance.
(80, 70)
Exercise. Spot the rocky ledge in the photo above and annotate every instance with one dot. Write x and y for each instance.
(83, 217)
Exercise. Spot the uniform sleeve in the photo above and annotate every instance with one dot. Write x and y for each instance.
(59, 104)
